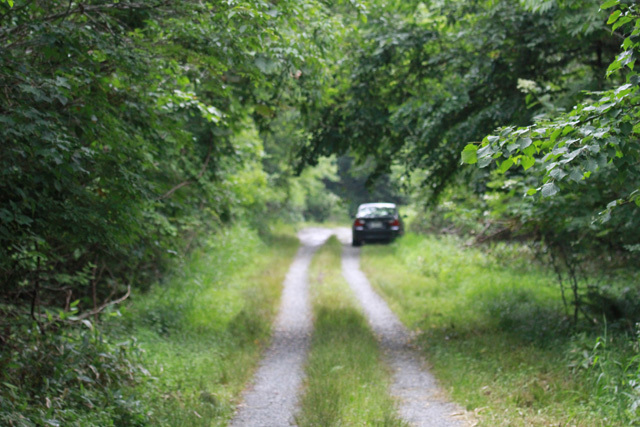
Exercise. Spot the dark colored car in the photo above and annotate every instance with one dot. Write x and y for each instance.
(376, 222)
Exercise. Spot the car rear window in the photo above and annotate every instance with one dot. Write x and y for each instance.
(375, 211)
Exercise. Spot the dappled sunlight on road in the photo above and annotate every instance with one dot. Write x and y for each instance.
(314, 236)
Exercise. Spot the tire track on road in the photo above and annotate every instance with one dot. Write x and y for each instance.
(419, 397)
(272, 398)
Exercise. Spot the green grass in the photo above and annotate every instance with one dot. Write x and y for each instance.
(202, 332)
(491, 323)
(347, 384)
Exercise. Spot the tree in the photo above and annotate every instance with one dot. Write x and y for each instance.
(426, 83)
(579, 175)
(123, 122)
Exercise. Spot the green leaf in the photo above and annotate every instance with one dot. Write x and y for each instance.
(266, 65)
(575, 175)
(486, 151)
(504, 166)
(524, 143)
(602, 160)
(549, 189)
(621, 22)
(264, 110)
(527, 162)
(595, 148)
(87, 323)
(530, 151)
(614, 66)
(591, 165)
(626, 128)
(531, 191)
(484, 162)
(557, 173)
(11, 386)
(608, 4)
(470, 154)
(625, 58)
(614, 16)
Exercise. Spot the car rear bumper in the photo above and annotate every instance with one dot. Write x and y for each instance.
(371, 235)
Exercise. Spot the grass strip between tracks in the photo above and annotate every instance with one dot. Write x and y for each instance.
(347, 383)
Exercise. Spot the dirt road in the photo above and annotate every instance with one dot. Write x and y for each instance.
(272, 398)
(419, 398)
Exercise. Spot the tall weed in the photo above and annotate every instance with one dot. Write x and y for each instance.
(610, 365)
(74, 376)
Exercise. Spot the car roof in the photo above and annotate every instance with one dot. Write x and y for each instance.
(377, 205)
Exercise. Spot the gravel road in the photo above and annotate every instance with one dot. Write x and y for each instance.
(419, 398)
(272, 398)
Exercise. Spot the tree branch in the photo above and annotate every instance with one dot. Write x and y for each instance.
(189, 181)
(98, 310)
(36, 294)
(84, 9)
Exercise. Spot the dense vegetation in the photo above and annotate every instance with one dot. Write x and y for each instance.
(128, 130)
(133, 131)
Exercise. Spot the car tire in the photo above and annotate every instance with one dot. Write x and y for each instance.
(356, 243)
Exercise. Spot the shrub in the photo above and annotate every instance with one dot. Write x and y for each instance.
(61, 376)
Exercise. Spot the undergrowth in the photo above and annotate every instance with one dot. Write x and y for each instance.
(72, 376)
(492, 323)
(176, 355)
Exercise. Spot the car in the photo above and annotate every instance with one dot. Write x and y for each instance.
(376, 222)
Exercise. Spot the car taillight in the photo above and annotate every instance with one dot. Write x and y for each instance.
(394, 223)
(358, 223)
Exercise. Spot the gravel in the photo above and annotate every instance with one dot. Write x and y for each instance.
(272, 398)
(419, 397)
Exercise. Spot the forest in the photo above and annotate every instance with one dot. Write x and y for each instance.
(137, 136)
